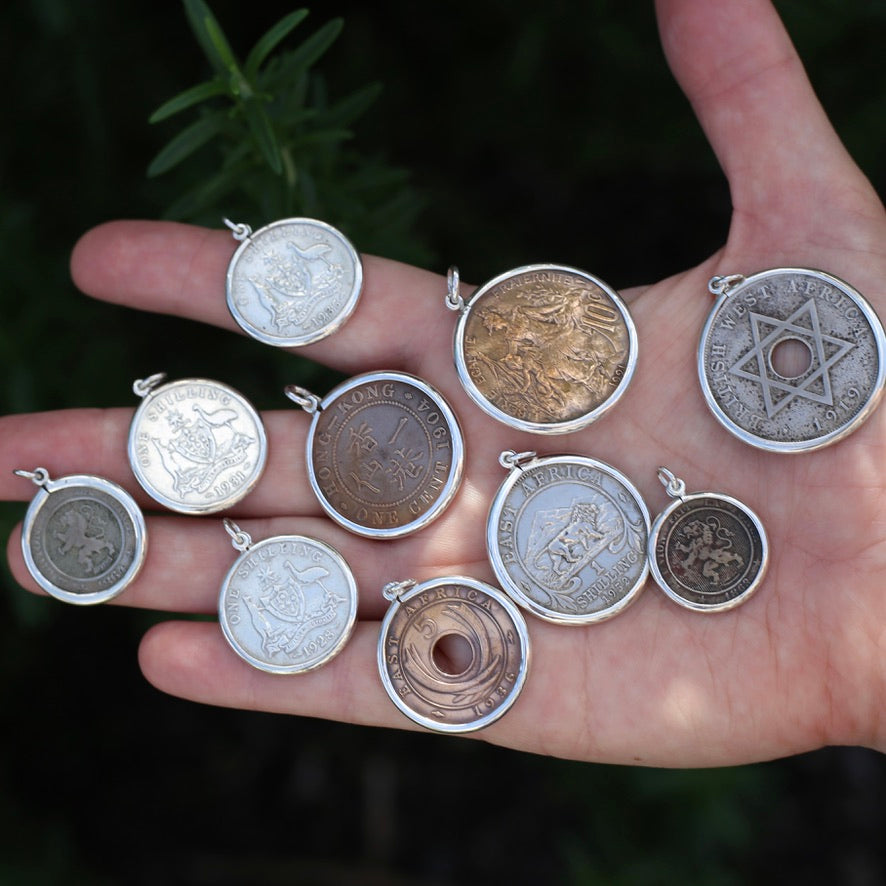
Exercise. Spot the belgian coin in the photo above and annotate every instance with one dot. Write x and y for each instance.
(84, 538)
(567, 537)
(196, 446)
(544, 348)
(790, 359)
(384, 453)
(292, 282)
(288, 604)
(707, 551)
(453, 653)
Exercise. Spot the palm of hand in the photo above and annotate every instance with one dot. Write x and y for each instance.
(794, 668)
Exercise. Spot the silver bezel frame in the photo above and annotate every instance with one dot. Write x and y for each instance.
(333, 651)
(453, 481)
(519, 624)
(500, 569)
(294, 341)
(659, 578)
(547, 428)
(185, 507)
(132, 510)
(760, 442)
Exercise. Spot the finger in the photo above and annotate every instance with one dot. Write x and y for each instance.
(187, 561)
(94, 441)
(400, 321)
(784, 162)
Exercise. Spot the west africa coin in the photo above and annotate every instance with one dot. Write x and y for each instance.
(288, 604)
(791, 359)
(567, 537)
(453, 653)
(384, 452)
(544, 348)
(707, 551)
(195, 445)
(292, 282)
(84, 537)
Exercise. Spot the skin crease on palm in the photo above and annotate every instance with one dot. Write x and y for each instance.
(802, 664)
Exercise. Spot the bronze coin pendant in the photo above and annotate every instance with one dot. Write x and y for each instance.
(453, 653)
(546, 349)
(384, 453)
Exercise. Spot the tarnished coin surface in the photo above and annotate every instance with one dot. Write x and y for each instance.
(791, 359)
(567, 538)
(195, 445)
(545, 349)
(708, 552)
(453, 653)
(384, 454)
(293, 282)
(288, 604)
(84, 539)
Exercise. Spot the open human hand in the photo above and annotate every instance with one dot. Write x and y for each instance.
(800, 665)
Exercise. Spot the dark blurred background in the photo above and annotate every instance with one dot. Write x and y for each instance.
(530, 132)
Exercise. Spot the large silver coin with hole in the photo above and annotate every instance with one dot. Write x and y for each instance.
(835, 339)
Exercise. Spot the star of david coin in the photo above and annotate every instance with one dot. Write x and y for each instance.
(791, 359)
(567, 537)
(384, 452)
(288, 604)
(543, 348)
(84, 538)
(292, 282)
(453, 653)
(196, 446)
(707, 551)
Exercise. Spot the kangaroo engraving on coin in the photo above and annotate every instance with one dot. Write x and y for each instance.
(83, 539)
(708, 551)
(196, 446)
(293, 282)
(567, 538)
(837, 374)
(288, 604)
(385, 454)
(439, 692)
(545, 349)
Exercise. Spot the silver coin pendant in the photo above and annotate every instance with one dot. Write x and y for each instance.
(707, 551)
(567, 537)
(84, 538)
(292, 282)
(791, 359)
(195, 445)
(453, 653)
(545, 349)
(288, 604)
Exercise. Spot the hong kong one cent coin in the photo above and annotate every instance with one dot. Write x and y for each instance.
(453, 653)
(791, 359)
(84, 537)
(707, 551)
(384, 453)
(544, 348)
(196, 446)
(567, 537)
(293, 282)
(288, 604)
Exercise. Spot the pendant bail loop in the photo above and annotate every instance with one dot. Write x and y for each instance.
(723, 284)
(141, 387)
(454, 301)
(39, 476)
(512, 460)
(240, 539)
(674, 486)
(239, 230)
(393, 589)
(303, 397)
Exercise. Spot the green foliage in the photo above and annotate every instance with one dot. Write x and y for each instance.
(268, 143)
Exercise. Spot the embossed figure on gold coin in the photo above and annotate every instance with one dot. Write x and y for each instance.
(545, 348)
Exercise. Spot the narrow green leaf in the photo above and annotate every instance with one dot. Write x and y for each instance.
(186, 99)
(322, 137)
(269, 41)
(185, 143)
(210, 36)
(296, 61)
(353, 106)
(263, 133)
(207, 194)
